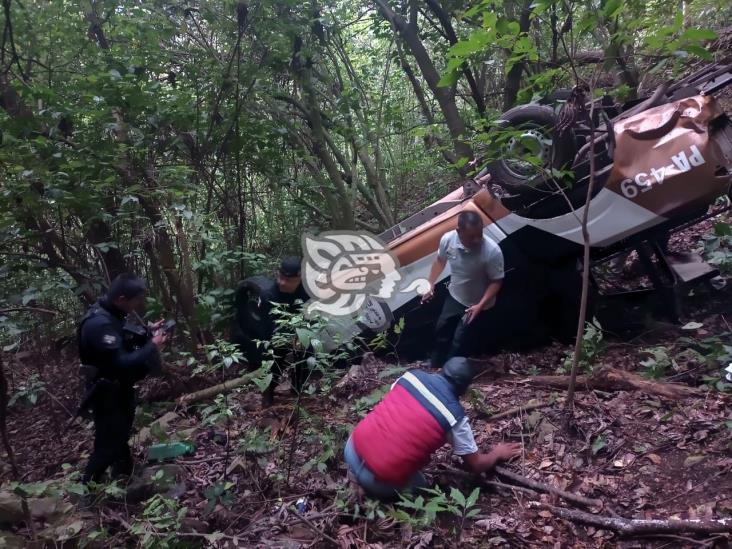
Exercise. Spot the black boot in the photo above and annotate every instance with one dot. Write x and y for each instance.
(268, 395)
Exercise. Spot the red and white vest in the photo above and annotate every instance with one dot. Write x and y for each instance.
(411, 422)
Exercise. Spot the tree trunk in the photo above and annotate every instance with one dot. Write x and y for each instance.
(343, 216)
(114, 262)
(445, 95)
(446, 23)
(616, 53)
(163, 245)
(513, 78)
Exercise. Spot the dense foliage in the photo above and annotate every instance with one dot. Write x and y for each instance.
(194, 142)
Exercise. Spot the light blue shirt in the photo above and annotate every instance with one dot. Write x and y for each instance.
(471, 270)
(461, 438)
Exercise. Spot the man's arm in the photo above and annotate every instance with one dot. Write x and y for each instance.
(479, 463)
(495, 273)
(138, 358)
(490, 292)
(107, 341)
(463, 445)
(438, 265)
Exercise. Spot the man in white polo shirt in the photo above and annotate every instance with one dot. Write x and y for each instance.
(476, 265)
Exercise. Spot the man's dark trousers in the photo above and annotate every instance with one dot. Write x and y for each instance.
(452, 336)
(298, 376)
(113, 410)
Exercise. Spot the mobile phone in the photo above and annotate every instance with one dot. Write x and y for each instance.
(169, 326)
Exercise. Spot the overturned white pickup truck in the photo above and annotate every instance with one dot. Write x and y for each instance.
(660, 164)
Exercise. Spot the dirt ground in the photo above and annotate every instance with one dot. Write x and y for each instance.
(643, 456)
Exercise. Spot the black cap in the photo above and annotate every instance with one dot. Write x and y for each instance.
(290, 266)
(126, 285)
(459, 373)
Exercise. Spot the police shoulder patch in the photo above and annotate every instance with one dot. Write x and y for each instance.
(109, 339)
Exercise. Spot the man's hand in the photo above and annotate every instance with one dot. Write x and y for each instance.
(160, 338)
(480, 463)
(429, 294)
(483, 180)
(506, 450)
(471, 313)
(157, 325)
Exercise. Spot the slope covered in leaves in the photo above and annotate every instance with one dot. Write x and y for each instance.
(276, 477)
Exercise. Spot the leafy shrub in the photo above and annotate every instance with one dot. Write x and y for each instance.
(28, 391)
(592, 347)
(717, 247)
(658, 362)
(160, 522)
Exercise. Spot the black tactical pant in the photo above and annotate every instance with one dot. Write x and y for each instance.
(113, 410)
(452, 336)
(282, 360)
(280, 355)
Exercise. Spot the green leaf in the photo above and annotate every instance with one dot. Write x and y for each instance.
(612, 8)
(598, 444)
(77, 488)
(531, 144)
(448, 79)
(317, 345)
(304, 336)
(678, 21)
(157, 431)
(475, 10)
(399, 327)
(699, 51)
(388, 372)
(473, 497)
(457, 496)
(464, 48)
(263, 382)
(698, 35)
(723, 229)
(460, 162)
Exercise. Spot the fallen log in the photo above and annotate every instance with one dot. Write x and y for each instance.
(638, 527)
(607, 378)
(210, 392)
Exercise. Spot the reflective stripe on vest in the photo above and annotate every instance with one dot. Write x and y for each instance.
(426, 393)
(400, 434)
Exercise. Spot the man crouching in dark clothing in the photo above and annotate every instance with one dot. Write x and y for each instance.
(254, 321)
(113, 360)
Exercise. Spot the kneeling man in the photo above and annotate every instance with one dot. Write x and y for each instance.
(417, 416)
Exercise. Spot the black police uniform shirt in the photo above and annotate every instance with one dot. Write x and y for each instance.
(253, 314)
(101, 344)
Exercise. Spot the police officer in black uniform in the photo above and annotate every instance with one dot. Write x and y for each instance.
(114, 357)
(254, 321)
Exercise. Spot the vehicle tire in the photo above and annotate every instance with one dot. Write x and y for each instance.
(556, 152)
(556, 96)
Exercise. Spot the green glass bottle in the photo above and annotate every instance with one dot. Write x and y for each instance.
(161, 452)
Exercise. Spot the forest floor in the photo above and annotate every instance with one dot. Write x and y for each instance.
(276, 477)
